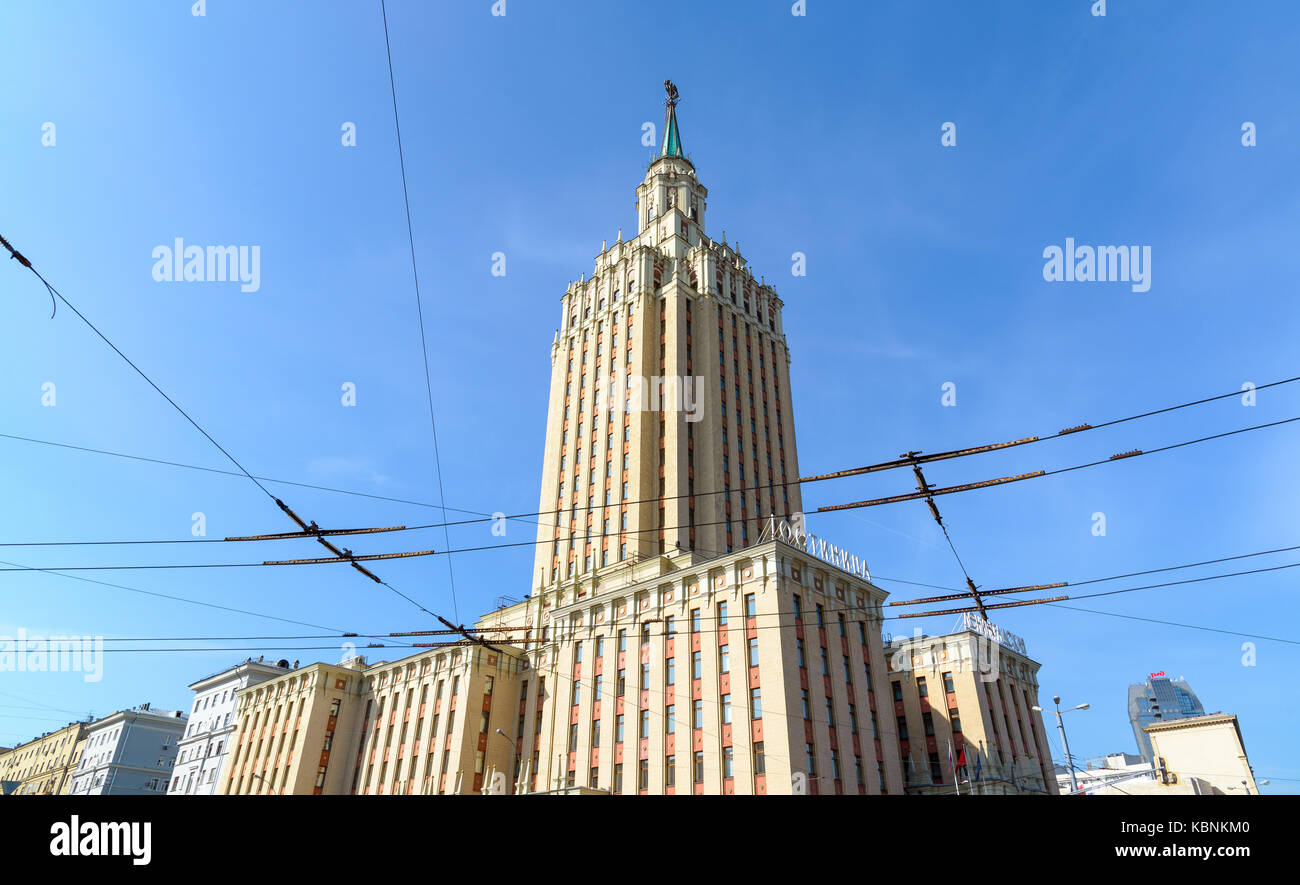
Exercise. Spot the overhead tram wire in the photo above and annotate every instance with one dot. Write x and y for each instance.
(186, 415)
(55, 293)
(486, 517)
(932, 491)
(1135, 453)
(255, 614)
(1152, 571)
(1080, 428)
(419, 306)
(498, 629)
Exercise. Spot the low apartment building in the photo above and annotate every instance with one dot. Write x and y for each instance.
(129, 753)
(43, 766)
(205, 747)
(963, 706)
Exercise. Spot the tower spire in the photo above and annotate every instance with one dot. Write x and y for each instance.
(672, 146)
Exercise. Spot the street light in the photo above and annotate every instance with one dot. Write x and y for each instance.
(1069, 766)
(511, 767)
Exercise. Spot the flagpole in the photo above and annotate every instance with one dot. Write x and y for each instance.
(953, 768)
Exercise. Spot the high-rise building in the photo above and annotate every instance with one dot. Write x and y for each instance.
(129, 753)
(206, 744)
(1159, 699)
(681, 636)
(670, 424)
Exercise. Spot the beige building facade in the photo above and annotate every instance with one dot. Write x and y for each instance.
(45, 765)
(424, 724)
(670, 423)
(1195, 756)
(757, 672)
(970, 696)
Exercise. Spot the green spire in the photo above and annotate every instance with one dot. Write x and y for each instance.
(672, 146)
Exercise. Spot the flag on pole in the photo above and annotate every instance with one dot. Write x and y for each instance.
(952, 767)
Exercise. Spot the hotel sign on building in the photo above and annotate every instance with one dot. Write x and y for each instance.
(1005, 638)
(827, 552)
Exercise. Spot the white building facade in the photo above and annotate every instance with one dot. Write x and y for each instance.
(206, 743)
(129, 753)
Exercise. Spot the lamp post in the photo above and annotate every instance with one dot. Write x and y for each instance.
(1069, 765)
(511, 767)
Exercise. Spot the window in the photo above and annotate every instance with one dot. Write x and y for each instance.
(618, 778)
(645, 724)
(810, 759)
(670, 672)
(622, 683)
(728, 763)
(751, 606)
(695, 620)
(760, 761)
(670, 771)
(898, 691)
(724, 659)
(595, 732)
(618, 728)
(947, 683)
(622, 640)
(643, 775)
(697, 665)
(902, 728)
(753, 651)
(670, 719)
(726, 709)
(798, 653)
(697, 714)
(803, 696)
(722, 614)
(928, 719)
(699, 768)
(755, 704)
(921, 687)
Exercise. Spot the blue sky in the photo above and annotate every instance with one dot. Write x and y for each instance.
(522, 135)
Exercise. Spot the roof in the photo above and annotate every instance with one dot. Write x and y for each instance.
(672, 146)
(1191, 722)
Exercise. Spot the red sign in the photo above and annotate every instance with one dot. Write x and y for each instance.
(1161, 673)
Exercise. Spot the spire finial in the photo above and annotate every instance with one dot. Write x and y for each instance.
(672, 145)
